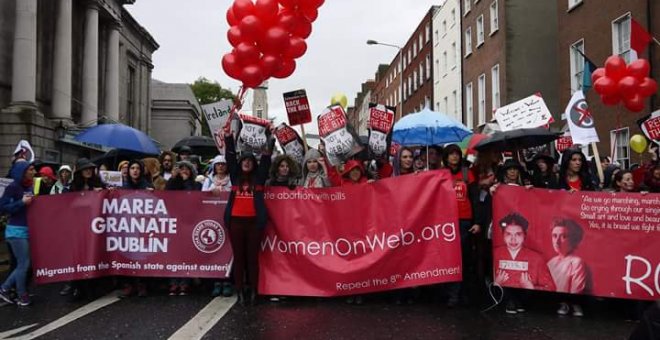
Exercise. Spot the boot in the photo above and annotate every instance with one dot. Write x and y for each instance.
(241, 297)
(253, 296)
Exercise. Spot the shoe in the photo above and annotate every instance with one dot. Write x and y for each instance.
(563, 309)
(274, 299)
(577, 311)
(511, 308)
(359, 300)
(141, 290)
(227, 289)
(241, 297)
(184, 290)
(253, 296)
(350, 300)
(520, 308)
(24, 301)
(174, 290)
(217, 289)
(66, 290)
(4, 295)
(128, 291)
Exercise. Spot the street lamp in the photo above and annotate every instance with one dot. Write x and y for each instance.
(374, 42)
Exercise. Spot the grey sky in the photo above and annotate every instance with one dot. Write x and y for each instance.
(192, 38)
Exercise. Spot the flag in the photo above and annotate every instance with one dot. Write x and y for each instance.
(589, 68)
(581, 122)
(639, 39)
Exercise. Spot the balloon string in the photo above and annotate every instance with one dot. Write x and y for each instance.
(616, 133)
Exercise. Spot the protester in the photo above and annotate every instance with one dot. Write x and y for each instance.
(283, 172)
(218, 179)
(511, 172)
(246, 216)
(403, 164)
(574, 172)
(167, 163)
(568, 270)
(314, 174)
(543, 175)
(652, 179)
(63, 183)
(152, 173)
(419, 164)
(353, 173)
(184, 153)
(608, 175)
(123, 168)
(44, 183)
(15, 200)
(434, 157)
(482, 201)
(85, 178)
(623, 181)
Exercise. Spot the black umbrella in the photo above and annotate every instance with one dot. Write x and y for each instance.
(516, 139)
(194, 142)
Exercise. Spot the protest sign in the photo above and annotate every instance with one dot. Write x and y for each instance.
(562, 247)
(563, 143)
(254, 133)
(290, 142)
(651, 127)
(316, 239)
(111, 178)
(381, 120)
(4, 183)
(297, 107)
(216, 118)
(581, 122)
(128, 233)
(340, 142)
(527, 113)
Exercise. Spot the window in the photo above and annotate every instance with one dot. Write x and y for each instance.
(620, 138)
(437, 106)
(480, 30)
(436, 36)
(421, 74)
(468, 106)
(444, 62)
(573, 3)
(468, 41)
(409, 57)
(428, 32)
(466, 6)
(404, 59)
(437, 69)
(454, 55)
(444, 27)
(481, 97)
(410, 84)
(130, 95)
(405, 90)
(453, 17)
(421, 42)
(495, 85)
(446, 108)
(454, 98)
(494, 18)
(414, 49)
(415, 80)
(577, 65)
(428, 66)
(621, 37)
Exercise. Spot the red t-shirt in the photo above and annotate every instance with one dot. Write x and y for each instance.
(243, 202)
(461, 188)
(575, 185)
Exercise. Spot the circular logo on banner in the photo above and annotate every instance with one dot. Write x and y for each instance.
(581, 115)
(208, 236)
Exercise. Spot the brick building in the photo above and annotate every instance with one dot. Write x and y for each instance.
(599, 36)
(509, 53)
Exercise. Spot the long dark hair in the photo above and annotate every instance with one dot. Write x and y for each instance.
(583, 173)
(78, 183)
(618, 177)
(247, 177)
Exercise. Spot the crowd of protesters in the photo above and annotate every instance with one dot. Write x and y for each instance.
(245, 176)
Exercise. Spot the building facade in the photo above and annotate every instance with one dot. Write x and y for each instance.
(175, 113)
(66, 65)
(509, 53)
(447, 84)
(418, 67)
(361, 114)
(598, 37)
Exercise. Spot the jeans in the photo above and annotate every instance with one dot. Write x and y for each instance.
(18, 276)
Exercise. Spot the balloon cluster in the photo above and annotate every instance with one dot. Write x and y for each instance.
(267, 36)
(628, 83)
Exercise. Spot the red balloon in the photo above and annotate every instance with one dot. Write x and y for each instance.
(231, 65)
(310, 14)
(287, 19)
(597, 74)
(287, 66)
(628, 86)
(302, 29)
(634, 103)
(639, 69)
(615, 67)
(275, 41)
(309, 4)
(251, 28)
(234, 36)
(292, 4)
(252, 76)
(606, 86)
(242, 8)
(297, 48)
(269, 64)
(247, 53)
(267, 11)
(610, 100)
(231, 18)
(648, 87)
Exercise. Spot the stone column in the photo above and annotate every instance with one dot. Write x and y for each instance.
(90, 92)
(112, 73)
(24, 65)
(62, 62)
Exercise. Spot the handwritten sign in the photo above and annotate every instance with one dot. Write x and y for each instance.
(111, 178)
(651, 127)
(297, 107)
(527, 113)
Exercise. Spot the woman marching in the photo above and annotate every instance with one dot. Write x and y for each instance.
(283, 172)
(245, 215)
(314, 174)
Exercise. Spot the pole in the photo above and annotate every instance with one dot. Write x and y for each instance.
(599, 166)
(304, 138)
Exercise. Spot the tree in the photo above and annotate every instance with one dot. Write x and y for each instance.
(208, 92)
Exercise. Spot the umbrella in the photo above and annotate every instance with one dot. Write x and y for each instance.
(428, 128)
(195, 142)
(119, 136)
(467, 145)
(516, 139)
(114, 156)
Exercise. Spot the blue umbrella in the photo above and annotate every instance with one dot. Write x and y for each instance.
(119, 136)
(428, 128)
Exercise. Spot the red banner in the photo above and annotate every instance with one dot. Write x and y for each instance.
(297, 107)
(130, 233)
(592, 243)
(394, 233)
